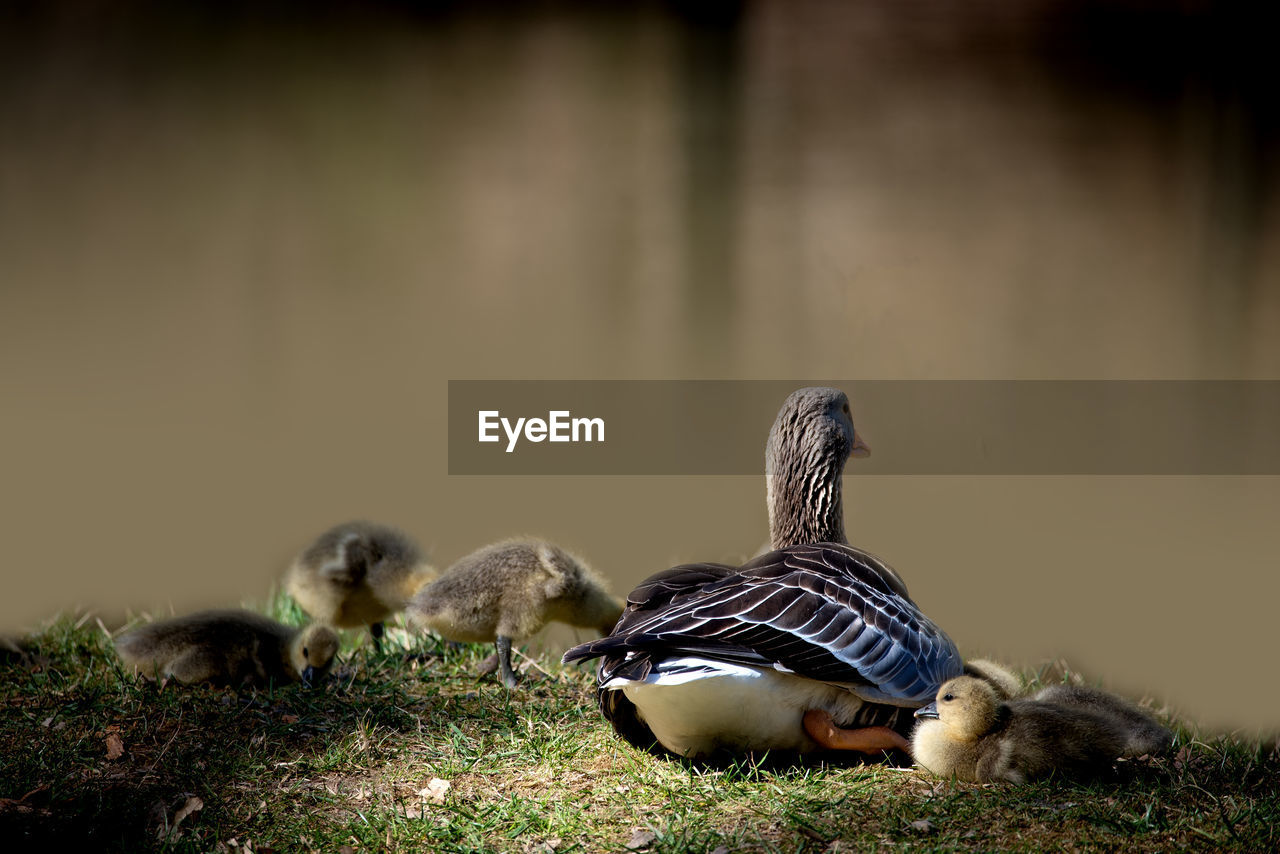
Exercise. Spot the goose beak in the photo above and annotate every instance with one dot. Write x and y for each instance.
(308, 676)
(929, 711)
(860, 448)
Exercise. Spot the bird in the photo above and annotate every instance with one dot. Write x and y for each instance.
(357, 574)
(1007, 683)
(969, 732)
(230, 647)
(507, 591)
(1142, 732)
(813, 645)
(811, 439)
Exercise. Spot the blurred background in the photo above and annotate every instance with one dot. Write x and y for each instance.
(244, 246)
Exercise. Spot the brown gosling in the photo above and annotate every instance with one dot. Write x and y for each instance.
(970, 733)
(508, 591)
(1143, 735)
(1007, 683)
(358, 574)
(230, 647)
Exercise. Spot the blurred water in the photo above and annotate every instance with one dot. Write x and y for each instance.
(243, 248)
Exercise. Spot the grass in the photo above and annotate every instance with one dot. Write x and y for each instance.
(407, 750)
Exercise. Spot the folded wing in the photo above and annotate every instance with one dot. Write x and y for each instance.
(826, 611)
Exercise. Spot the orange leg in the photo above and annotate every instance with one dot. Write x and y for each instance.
(872, 739)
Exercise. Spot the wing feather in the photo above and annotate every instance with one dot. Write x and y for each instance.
(826, 611)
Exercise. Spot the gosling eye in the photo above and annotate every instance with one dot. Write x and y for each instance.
(306, 653)
(947, 698)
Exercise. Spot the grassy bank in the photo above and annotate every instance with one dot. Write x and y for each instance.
(407, 750)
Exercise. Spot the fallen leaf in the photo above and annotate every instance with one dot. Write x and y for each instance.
(435, 790)
(640, 839)
(923, 825)
(193, 804)
(289, 719)
(167, 816)
(115, 746)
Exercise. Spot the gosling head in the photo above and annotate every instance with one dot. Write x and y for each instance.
(1004, 680)
(967, 706)
(811, 440)
(312, 653)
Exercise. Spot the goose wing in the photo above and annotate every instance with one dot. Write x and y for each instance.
(661, 588)
(826, 611)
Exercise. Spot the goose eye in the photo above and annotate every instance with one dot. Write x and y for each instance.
(947, 698)
(305, 653)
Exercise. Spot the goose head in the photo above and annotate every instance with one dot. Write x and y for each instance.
(811, 440)
(967, 706)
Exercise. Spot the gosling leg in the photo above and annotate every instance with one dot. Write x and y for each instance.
(375, 629)
(504, 661)
(873, 739)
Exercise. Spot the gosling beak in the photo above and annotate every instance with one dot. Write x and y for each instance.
(308, 676)
(860, 448)
(929, 711)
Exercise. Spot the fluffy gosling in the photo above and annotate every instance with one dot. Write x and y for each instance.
(230, 648)
(1142, 733)
(357, 574)
(510, 590)
(970, 733)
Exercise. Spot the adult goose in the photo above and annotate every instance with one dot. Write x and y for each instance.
(815, 644)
